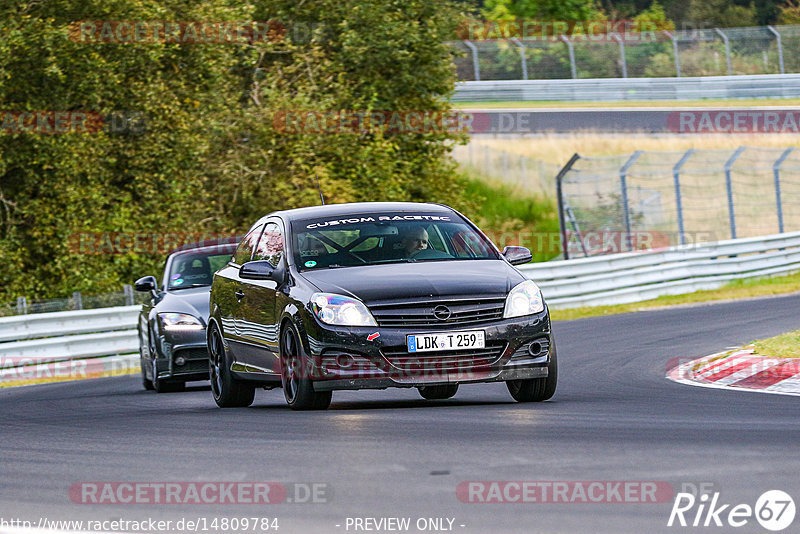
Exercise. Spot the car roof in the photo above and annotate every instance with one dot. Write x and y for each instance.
(212, 246)
(350, 208)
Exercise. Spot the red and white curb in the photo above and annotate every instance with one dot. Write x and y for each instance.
(740, 370)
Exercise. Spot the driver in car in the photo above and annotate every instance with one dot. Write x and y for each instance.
(414, 241)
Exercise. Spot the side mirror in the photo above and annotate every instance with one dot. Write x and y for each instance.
(258, 270)
(146, 284)
(517, 255)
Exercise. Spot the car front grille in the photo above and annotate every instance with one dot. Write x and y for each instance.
(196, 360)
(450, 360)
(462, 312)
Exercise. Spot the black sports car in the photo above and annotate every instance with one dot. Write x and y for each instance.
(172, 324)
(375, 295)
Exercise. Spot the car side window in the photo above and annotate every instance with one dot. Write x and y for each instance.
(245, 248)
(270, 246)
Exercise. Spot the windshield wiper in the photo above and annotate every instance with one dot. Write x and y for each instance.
(188, 287)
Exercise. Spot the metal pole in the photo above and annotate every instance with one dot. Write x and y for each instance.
(727, 50)
(676, 172)
(522, 57)
(623, 174)
(22, 305)
(571, 51)
(475, 66)
(618, 39)
(127, 289)
(777, 175)
(780, 47)
(560, 197)
(77, 301)
(675, 53)
(729, 186)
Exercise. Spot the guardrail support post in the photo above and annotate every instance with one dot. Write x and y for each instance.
(22, 305)
(623, 62)
(476, 68)
(623, 184)
(780, 47)
(727, 50)
(571, 50)
(560, 197)
(128, 290)
(729, 187)
(776, 171)
(77, 301)
(675, 53)
(676, 173)
(522, 57)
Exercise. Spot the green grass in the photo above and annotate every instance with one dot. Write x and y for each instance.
(783, 346)
(738, 289)
(751, 102)
(510, 217)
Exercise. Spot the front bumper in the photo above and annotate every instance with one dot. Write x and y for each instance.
(189, 346)
(355, 358)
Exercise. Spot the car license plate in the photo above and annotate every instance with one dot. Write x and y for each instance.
(474, 339)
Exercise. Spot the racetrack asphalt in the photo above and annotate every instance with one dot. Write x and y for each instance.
(391, 454)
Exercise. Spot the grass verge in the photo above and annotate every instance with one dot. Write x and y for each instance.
(738, 289)
(782, 346)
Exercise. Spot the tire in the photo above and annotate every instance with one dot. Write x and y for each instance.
(444, 391)
(227, 391)
(537, 389)
(298, 388)
(147, 384)
(166, 386)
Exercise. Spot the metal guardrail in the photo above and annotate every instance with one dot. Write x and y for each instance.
(19, 327)
(621, 89)
(636, 276)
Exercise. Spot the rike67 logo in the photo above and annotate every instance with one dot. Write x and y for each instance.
(774, 510)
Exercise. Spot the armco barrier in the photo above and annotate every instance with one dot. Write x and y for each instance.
(621, 89)
(636, 276)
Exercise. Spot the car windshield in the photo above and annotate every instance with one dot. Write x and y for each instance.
(378, 238)
(195, 269)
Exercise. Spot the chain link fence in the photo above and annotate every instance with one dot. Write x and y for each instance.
(701, 52)
(646, 200)
(531, 176)
(78, 301)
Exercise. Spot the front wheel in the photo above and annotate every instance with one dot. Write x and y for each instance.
(228, 392)
(165, 386)
(537, 389)
(438, 392)
(298, 387)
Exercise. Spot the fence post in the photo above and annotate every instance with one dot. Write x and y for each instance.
(777, 176)
(77, 300)
(486, 160)
(618, 39)
(729, 186)
(780, 47)
(571, 51)
(623, 175)
(22, 305)
(560, 198)
(727, 50)
(523, 172)
(476, 68)
(505, 164)
(522, 57)
(676, 172)
(128, 290)
(675, 53)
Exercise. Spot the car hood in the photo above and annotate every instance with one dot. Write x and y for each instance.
(394, 281)
(193, 301)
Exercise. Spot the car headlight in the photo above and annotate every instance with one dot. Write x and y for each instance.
(524, 299)
(179, 321)
(340, 310)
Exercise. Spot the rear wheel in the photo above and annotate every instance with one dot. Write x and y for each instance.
(298, 387)
(228, 392)
(537, 389)
(438, 392)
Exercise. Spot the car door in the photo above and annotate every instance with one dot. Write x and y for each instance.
(259, 324)
(228, 293)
